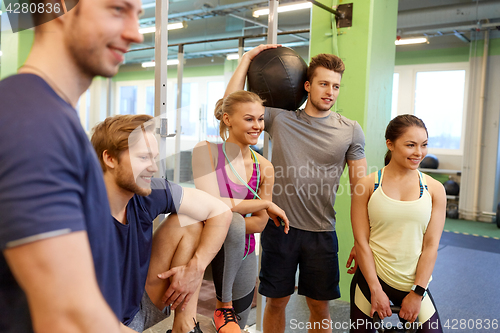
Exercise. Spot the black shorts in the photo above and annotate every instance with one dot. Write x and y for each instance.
(315, 253)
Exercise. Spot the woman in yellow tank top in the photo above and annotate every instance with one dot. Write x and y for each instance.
(397, 218)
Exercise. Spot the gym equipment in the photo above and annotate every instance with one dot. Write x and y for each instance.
(381, 328)
(430, 162)
(278, 76)
(451, 187)
(452, 211)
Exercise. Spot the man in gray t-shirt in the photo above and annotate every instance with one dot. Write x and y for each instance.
(311, 148)
(309, 155)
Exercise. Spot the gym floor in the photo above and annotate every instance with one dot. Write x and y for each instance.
(464, 285)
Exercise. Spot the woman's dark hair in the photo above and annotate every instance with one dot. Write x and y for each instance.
(397, 126)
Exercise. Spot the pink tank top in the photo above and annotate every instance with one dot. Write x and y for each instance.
(229, 189)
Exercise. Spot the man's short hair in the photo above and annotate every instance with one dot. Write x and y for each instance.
(113, 134)
(328, 61)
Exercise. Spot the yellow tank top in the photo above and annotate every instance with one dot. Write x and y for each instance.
(397, 231)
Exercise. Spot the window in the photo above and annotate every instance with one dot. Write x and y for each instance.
(134, 97)
(83, 109)
(215, 91)
(395, 88)
(150, 100)
(436, 93)
(439, 98)
(199, 95)
(87, 111)
(190, 113)
(128, 100)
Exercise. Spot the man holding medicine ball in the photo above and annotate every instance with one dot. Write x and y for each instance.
(310, 148)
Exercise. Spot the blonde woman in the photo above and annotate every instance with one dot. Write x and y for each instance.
(244, 180)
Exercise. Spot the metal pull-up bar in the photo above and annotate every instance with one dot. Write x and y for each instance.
(337, 14)
(343, 13)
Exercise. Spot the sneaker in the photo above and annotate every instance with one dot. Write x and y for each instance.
(226, 321)
(196, 328)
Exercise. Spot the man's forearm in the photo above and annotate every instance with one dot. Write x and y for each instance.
(237, 81)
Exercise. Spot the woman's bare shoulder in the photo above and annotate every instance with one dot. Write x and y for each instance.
(205, 149)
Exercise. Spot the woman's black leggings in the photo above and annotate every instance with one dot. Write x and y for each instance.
(361, 322)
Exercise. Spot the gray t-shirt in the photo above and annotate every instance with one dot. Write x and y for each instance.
(309, 155)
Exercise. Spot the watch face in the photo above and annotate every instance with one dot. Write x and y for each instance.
(419, 290)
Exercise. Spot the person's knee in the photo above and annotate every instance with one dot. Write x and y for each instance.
(192, 232)
(190, 236)
(172, 240)
(167, 226)
(179, 221)
(237, 230)
(178, 226)
(277, 304)
(316, 306)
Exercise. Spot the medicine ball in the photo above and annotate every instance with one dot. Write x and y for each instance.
(451, 187)
(430, 162)
(278, 76)
(452, 211)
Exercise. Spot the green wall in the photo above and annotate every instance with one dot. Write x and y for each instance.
(434, 56)
(149, 74)
(15, 46)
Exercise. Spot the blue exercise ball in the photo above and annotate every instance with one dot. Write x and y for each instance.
(451, 187)
(430, 162)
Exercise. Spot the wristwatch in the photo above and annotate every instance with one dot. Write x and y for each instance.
(420, 291)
